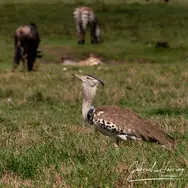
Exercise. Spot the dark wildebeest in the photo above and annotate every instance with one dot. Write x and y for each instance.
(85, 17)
(26, 42)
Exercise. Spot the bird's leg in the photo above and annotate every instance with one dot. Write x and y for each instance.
(116, 143)
(140, 142)
(95, 130)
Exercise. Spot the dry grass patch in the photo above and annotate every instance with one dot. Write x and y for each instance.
(11, 180)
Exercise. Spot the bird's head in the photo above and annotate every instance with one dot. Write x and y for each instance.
(89, 81)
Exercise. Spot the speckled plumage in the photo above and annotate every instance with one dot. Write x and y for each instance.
(120, 123)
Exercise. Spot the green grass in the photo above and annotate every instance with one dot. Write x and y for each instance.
(130, 31)
(43, 140)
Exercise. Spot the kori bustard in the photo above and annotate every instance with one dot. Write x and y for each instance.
(116, 122)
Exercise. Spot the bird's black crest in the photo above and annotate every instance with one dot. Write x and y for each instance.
(102, 83)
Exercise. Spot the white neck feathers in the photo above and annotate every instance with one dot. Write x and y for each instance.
(88, 99)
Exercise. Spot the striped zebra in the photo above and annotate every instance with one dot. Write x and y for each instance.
(26, 42)
(85, 17)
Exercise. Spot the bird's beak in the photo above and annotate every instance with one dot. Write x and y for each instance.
(101, 82)
(78, 76)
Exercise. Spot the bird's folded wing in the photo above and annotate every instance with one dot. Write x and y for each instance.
(128, 122)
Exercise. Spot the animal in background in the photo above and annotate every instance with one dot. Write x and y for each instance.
(26, 42)
(84, 18)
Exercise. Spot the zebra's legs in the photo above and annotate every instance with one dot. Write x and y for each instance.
(81, 33)
(94, 39)
(81, 38)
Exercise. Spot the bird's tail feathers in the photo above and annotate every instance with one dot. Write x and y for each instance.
(156, 135)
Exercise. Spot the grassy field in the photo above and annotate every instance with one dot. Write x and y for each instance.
(43, 140)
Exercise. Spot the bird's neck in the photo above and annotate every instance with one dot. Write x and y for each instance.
(87, 104)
